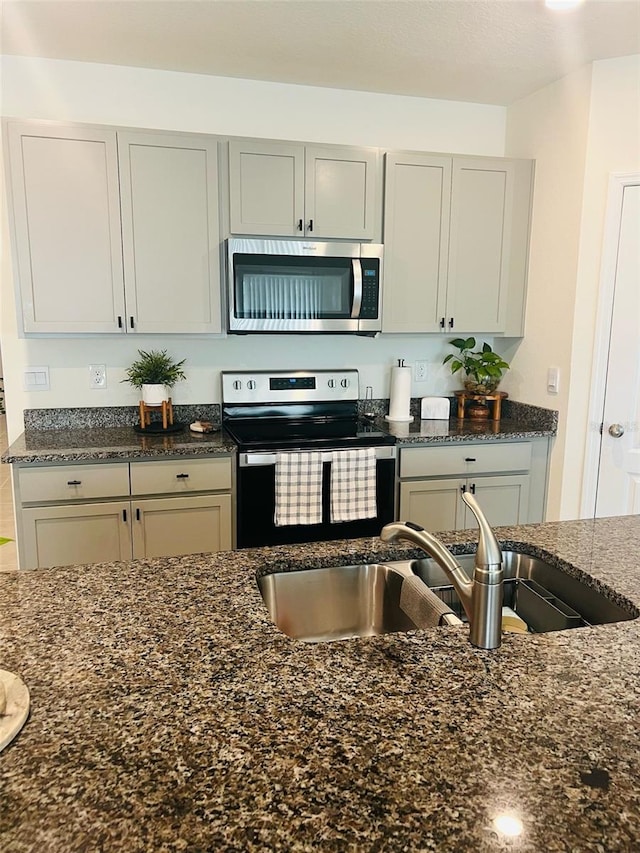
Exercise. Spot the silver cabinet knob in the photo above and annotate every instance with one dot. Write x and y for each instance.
(237, 384)
(345, 383)
(331, 383)
(251, 385)
(616, 430)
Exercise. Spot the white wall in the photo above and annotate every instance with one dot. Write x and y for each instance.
(613, 146)
(579, 130)
(99, 94)
(551, 127)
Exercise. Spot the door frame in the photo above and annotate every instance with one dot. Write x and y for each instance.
(600, 363)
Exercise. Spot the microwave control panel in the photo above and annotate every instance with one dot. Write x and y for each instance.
(370, 288)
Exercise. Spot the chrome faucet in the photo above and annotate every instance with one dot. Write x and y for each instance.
(481, 597)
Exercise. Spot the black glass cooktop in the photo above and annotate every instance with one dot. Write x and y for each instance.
(306, 436)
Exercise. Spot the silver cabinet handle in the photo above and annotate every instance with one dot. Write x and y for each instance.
(616, 430)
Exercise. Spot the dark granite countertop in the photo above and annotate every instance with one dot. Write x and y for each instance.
(169, 714)
(438, 432)
(76, 435)
(111, 443)
(519, 421)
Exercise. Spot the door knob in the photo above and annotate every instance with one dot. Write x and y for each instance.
(616, 430)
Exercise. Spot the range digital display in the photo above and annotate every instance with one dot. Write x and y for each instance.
(292, 383)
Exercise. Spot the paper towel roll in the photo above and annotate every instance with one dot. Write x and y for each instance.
(400, 394)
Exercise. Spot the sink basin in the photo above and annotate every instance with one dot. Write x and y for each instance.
(547, 598)
(322, 605)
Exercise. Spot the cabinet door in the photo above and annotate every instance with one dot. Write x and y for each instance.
(479, 245)
(170, 232)
(266, 188)
(66, 217)
(434, 504)
(341, 187)
(76, 534)
(416, 238)
(504, 500)
(167, 527)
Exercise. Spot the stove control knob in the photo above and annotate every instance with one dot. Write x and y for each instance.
(237, 385)
(251, 385)
(345, 383)
(331, 383)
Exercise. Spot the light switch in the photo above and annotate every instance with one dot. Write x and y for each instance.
(553, 380)
(36, 378)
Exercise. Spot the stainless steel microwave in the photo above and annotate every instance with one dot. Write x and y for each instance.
(289, 286)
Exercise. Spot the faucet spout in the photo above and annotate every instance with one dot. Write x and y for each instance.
(481, 597)
(443, 557)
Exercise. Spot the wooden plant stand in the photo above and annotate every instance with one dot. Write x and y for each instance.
(494, 399)
(167, 413)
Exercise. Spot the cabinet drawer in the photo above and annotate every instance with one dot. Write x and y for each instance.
(180, 475)
(73, 482)
(464, 459)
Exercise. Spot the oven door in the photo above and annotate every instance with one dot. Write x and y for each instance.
(256, 503)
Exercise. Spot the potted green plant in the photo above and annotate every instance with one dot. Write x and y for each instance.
(155, 373)
(483, 368)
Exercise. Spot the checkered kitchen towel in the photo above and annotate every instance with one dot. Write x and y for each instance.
(298, 489)
(353, 484)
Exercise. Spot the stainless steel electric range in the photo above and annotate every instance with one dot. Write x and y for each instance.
(271, 414)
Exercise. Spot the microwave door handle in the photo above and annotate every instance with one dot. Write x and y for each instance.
(357, 288)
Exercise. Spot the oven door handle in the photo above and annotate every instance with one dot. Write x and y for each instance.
(246, 460)
(357, 288)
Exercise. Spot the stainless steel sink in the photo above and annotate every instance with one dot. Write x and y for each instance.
(322, 605)
(547, 598)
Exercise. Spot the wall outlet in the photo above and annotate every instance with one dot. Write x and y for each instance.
(98, 376)
(420, 371)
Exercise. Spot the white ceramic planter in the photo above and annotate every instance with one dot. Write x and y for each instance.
(155, 395)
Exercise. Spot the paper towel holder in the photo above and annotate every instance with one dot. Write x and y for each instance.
(399, 420)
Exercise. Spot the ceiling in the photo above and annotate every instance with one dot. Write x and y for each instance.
(484, 51)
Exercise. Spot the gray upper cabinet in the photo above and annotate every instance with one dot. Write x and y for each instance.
(416, 240)
(288, 190)
(456, 238)
(266, 187)
(66, 217)
(115, 232)
(170, 232)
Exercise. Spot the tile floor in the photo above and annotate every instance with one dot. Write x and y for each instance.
(8, 552)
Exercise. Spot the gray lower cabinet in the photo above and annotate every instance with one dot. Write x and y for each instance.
(114, 231)
(74, 534)
(509, 480)
(165, 509)
(291, 190)
(456, 235)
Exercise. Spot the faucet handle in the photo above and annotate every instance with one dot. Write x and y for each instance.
(489, 552)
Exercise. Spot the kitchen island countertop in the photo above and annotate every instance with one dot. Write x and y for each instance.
(168, 713)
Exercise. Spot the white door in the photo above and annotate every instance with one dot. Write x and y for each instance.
(618, 487)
